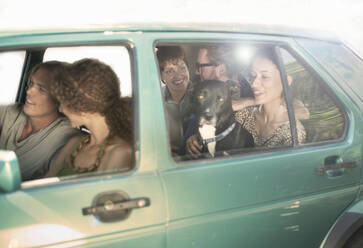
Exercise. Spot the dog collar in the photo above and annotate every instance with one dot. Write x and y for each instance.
(220, 136)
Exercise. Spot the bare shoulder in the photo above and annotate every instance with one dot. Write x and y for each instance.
(118, 155)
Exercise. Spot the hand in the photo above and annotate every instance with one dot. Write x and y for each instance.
(301, 112)
(193, 146)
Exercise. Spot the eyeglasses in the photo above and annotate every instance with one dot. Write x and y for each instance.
(198, 66)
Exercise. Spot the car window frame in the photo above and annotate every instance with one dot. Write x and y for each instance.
(134, 95)
(329, 91)
(277, 44)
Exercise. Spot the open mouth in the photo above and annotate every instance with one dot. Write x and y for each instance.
(178, 82)
(258, 93)
(29, 102)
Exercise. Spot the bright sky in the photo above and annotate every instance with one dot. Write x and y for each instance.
(344, 17)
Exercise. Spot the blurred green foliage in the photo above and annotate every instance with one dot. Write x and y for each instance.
(326, 120)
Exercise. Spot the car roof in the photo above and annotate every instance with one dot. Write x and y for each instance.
(278, 30)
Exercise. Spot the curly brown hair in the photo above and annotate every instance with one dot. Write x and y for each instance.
(91, 86)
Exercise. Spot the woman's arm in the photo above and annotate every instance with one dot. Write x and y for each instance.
(242, 103)
(63, 155)
(301, 112)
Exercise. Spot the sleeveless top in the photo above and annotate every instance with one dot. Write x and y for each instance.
(281, 136)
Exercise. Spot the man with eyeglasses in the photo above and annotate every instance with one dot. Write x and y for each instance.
(219, 62)
(35, 131)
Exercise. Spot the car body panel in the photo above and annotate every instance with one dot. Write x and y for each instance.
(257, 181)
(255, 199)
(57, 210)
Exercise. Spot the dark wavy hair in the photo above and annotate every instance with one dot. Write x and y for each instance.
(91, 86)
(169, 53)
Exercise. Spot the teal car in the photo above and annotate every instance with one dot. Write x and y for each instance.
(308, 194)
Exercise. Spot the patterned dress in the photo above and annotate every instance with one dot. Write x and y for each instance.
(281, 136)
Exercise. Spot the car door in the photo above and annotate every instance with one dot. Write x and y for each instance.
(81, 210)
(281, 197)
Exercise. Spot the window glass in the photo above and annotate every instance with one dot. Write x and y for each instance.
(99, 138)
(11, 65)
(324, 120)
(339, 59)
(115, 56)
(200, 81)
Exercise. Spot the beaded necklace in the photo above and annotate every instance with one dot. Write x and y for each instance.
(100, 154)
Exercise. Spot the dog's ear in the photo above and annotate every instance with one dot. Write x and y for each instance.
(234, 89)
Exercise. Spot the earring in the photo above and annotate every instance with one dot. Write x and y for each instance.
(260, 108)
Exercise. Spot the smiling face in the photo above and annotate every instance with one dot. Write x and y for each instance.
(38, 103)
(176, 75)
(266, 84)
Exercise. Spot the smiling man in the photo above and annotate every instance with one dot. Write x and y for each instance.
(219, 62)
(36, 130)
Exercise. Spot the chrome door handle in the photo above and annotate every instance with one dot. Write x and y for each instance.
(109, 205)
(114, 206)
(348, 165)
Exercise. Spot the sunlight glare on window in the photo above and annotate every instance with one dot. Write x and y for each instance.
(244, 53)
(11, 65)
(115, 56)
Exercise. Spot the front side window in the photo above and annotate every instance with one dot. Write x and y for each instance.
(96, 97)
(81, 99)
(11, 65)
(115, 56)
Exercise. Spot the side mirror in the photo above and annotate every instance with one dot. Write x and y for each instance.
(10, 177)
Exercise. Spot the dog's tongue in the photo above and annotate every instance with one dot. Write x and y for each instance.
(207, 132)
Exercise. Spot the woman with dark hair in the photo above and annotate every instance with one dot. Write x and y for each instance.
(268, 119)
(265, 116)
(89, 95)
(177, 93)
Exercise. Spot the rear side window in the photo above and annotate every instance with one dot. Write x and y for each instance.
(326, 120)
(339, 60)
(11, 66)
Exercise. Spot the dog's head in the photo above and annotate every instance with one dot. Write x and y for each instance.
(213, 103)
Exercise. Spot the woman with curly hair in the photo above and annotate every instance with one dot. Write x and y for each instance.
(89, 95)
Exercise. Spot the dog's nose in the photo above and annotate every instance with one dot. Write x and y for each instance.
(208, 114)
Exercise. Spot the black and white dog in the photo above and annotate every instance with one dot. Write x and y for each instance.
(218, 131)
